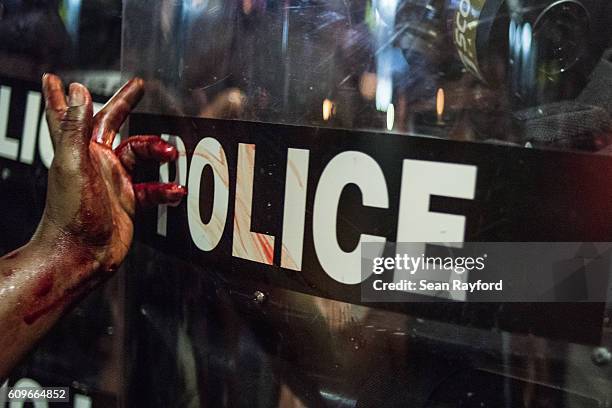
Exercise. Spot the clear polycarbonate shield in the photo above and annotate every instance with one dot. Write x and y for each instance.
(309, 128)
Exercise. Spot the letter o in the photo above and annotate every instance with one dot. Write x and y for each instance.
(208, 152)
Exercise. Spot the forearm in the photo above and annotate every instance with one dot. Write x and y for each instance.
(38, 282)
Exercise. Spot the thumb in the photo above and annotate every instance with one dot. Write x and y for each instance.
(76, 125)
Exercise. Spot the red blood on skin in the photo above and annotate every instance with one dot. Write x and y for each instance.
(164, 151)
(145, 148)
(42, 288)
(152, 194)
(69, 295)
(34, 316)
(44, 285)
(82, 257)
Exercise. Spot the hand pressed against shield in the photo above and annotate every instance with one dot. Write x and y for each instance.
(91, 194)
(87, 226)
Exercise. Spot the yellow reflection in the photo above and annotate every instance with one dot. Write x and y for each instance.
(328, 109)
(440, 105)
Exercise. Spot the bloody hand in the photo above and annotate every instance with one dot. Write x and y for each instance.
(86, 228)
(91, 199)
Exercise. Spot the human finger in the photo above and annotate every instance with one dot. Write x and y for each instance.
(151, 194)
(108, 121)
(137, 148)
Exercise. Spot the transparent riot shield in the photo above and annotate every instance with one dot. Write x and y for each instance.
(309, 128)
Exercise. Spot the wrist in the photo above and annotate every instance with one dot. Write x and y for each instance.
(50, 238)
(49, 274)
(63, 249)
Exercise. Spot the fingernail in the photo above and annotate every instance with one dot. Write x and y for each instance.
(166, 151)
(44, 77)
(170, 152)
(179, 190)
(138, 81)
(76, 95)
(177, 195)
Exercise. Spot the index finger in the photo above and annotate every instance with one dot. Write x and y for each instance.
(108, 121)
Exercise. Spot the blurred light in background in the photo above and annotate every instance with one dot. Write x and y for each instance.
(528, 61)
(522, 60)
(194, 6)
(515, 34)
(247, 6)
(390, 116)
(367, 85)
(526, 39)
(328, 109)
(72, 17)
(384, 90)
(388, 58)
(440, 105)
(385, 10)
